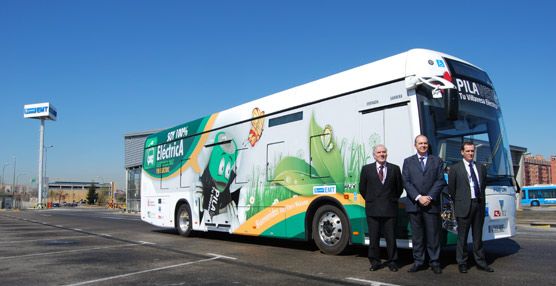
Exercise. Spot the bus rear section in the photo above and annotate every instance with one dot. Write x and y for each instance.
(536, 196)
(499, 212)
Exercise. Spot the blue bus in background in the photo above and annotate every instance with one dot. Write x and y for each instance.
(538, 195)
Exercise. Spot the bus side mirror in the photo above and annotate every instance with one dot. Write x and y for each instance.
(451, 104)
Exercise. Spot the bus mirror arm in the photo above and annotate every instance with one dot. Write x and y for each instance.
(437, 84)
(439, 88)
(436, 87)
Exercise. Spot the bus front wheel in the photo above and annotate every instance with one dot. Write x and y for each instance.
(535, 203)
(330, 230)
(183, 220)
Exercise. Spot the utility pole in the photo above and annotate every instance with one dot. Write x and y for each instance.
(13, 182)
(3, 177)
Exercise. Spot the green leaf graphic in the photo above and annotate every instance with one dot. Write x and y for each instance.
(293, 173)
(327, 164)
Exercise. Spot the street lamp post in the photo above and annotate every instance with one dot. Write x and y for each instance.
(19, 175)
(4, 170)
(101, 185)
(44, 169)
(13, 186)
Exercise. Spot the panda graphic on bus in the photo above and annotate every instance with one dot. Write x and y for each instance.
(218, 200)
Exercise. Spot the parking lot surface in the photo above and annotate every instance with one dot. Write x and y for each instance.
(80, 246)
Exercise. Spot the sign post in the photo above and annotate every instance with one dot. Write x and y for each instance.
(42, 111)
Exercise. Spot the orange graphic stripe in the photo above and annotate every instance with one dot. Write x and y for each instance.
(283, 210)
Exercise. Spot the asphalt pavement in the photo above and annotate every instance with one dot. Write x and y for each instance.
(93, 246)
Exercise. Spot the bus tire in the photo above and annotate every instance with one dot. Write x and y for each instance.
(330, 230)
(535, 203)
(183, 220)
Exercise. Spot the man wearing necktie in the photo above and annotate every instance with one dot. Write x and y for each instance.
(380, 183)
(467, 184)
(423, 177)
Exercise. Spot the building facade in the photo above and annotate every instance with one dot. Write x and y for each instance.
(65, 192)
(553, 169)
(537, 170)
(134, 144)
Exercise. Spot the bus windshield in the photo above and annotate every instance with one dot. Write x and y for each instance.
(479, 121)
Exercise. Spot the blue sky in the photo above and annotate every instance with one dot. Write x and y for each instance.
(115, 67)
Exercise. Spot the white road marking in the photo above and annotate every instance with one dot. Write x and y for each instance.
(222, 256)
(370, 282)
(146, 242)
(143, 271)
(67, 251)
(44, 239)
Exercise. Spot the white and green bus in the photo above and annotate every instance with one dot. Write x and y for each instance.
(287, 165)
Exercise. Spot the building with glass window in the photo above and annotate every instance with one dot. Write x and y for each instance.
(66, 192)
(133, 161)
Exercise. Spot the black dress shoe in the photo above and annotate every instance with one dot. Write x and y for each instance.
(436, 269)
(416, 268)
(485, 268)
(393, 267)
(375, 267)
(462, 268)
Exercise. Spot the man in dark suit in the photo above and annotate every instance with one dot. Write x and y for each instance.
(381, 185)
(467, 184)
(423, 179)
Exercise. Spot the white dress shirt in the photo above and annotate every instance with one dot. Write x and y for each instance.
(471, 184)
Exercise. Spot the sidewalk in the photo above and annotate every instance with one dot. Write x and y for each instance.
(544, 216)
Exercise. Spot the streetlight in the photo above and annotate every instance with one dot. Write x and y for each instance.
(19, 175)
(3, 170)
(101, 185)
(13, 186)
(44, 168)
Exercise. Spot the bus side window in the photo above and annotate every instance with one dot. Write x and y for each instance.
(163, 169)
(183, 183)
(319, 144)
(241, 177)
(274, 153)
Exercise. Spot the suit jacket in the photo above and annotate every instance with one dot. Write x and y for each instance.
(459, 189)
(416, 182)
(381, 200)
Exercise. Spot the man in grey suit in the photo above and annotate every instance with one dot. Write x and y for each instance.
(467, 184)
(423, 179)
(380, 183)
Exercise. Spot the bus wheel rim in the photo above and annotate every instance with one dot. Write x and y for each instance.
(184, 221)
(330, 228)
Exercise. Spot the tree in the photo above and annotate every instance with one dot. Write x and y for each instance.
(92, 195)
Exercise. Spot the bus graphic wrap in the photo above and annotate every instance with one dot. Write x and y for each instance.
(288, 165)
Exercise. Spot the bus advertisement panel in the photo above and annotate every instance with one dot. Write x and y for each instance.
(288, 165)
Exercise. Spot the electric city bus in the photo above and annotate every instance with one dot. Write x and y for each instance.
(287, 165)
(538, 195)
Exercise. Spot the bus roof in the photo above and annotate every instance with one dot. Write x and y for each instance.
(397, 67)
(420, 62)
(539, 187)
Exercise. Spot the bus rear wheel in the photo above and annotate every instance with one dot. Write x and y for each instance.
(330, 230)
(183, 220)
(535, 203)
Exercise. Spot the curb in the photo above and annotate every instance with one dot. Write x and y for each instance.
(544, 224)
